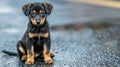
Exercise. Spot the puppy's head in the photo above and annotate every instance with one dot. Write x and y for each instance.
(37, 12)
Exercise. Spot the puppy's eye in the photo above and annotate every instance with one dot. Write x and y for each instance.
(42, 14)
(33, 13)
(40, 11)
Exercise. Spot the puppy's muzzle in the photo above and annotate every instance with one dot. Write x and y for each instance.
(38, 19)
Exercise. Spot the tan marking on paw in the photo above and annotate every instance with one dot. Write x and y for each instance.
(24, 57)
(30, 57)
(47, 57)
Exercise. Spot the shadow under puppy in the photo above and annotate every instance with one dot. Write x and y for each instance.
(36, 41)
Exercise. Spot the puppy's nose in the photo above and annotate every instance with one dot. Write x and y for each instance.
(38, 21)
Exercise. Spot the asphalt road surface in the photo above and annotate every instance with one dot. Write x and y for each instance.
(83, 48)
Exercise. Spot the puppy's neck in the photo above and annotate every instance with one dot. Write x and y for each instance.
(34, 29)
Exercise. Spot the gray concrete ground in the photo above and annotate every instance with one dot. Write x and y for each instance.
(84, 48)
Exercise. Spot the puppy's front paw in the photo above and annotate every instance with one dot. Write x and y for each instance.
(48, 60)
(29, 62)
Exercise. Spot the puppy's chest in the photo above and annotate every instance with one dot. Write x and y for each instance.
(39, 33)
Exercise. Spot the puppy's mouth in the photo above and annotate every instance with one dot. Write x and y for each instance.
(38, 22)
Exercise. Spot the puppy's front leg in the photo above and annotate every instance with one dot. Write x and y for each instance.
(46, 51)
(30, 52)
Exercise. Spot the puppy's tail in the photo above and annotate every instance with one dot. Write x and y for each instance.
(10, 53)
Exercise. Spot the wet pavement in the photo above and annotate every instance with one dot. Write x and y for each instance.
(83, 48)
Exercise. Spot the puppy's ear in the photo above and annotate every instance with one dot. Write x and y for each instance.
(26, 8)
(48, 8)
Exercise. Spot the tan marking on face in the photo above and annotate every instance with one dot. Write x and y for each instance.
(34, 11)
(42, 20)
(40, 11)
(46, 55)
(33, 21)
(30, 57)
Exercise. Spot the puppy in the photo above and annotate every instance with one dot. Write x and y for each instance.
(36, 41)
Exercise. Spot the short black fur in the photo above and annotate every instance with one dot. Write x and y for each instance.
(26, 43)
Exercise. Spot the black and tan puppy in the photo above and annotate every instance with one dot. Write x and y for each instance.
(36, 40)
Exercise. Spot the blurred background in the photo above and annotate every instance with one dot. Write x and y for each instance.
(84, 33)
